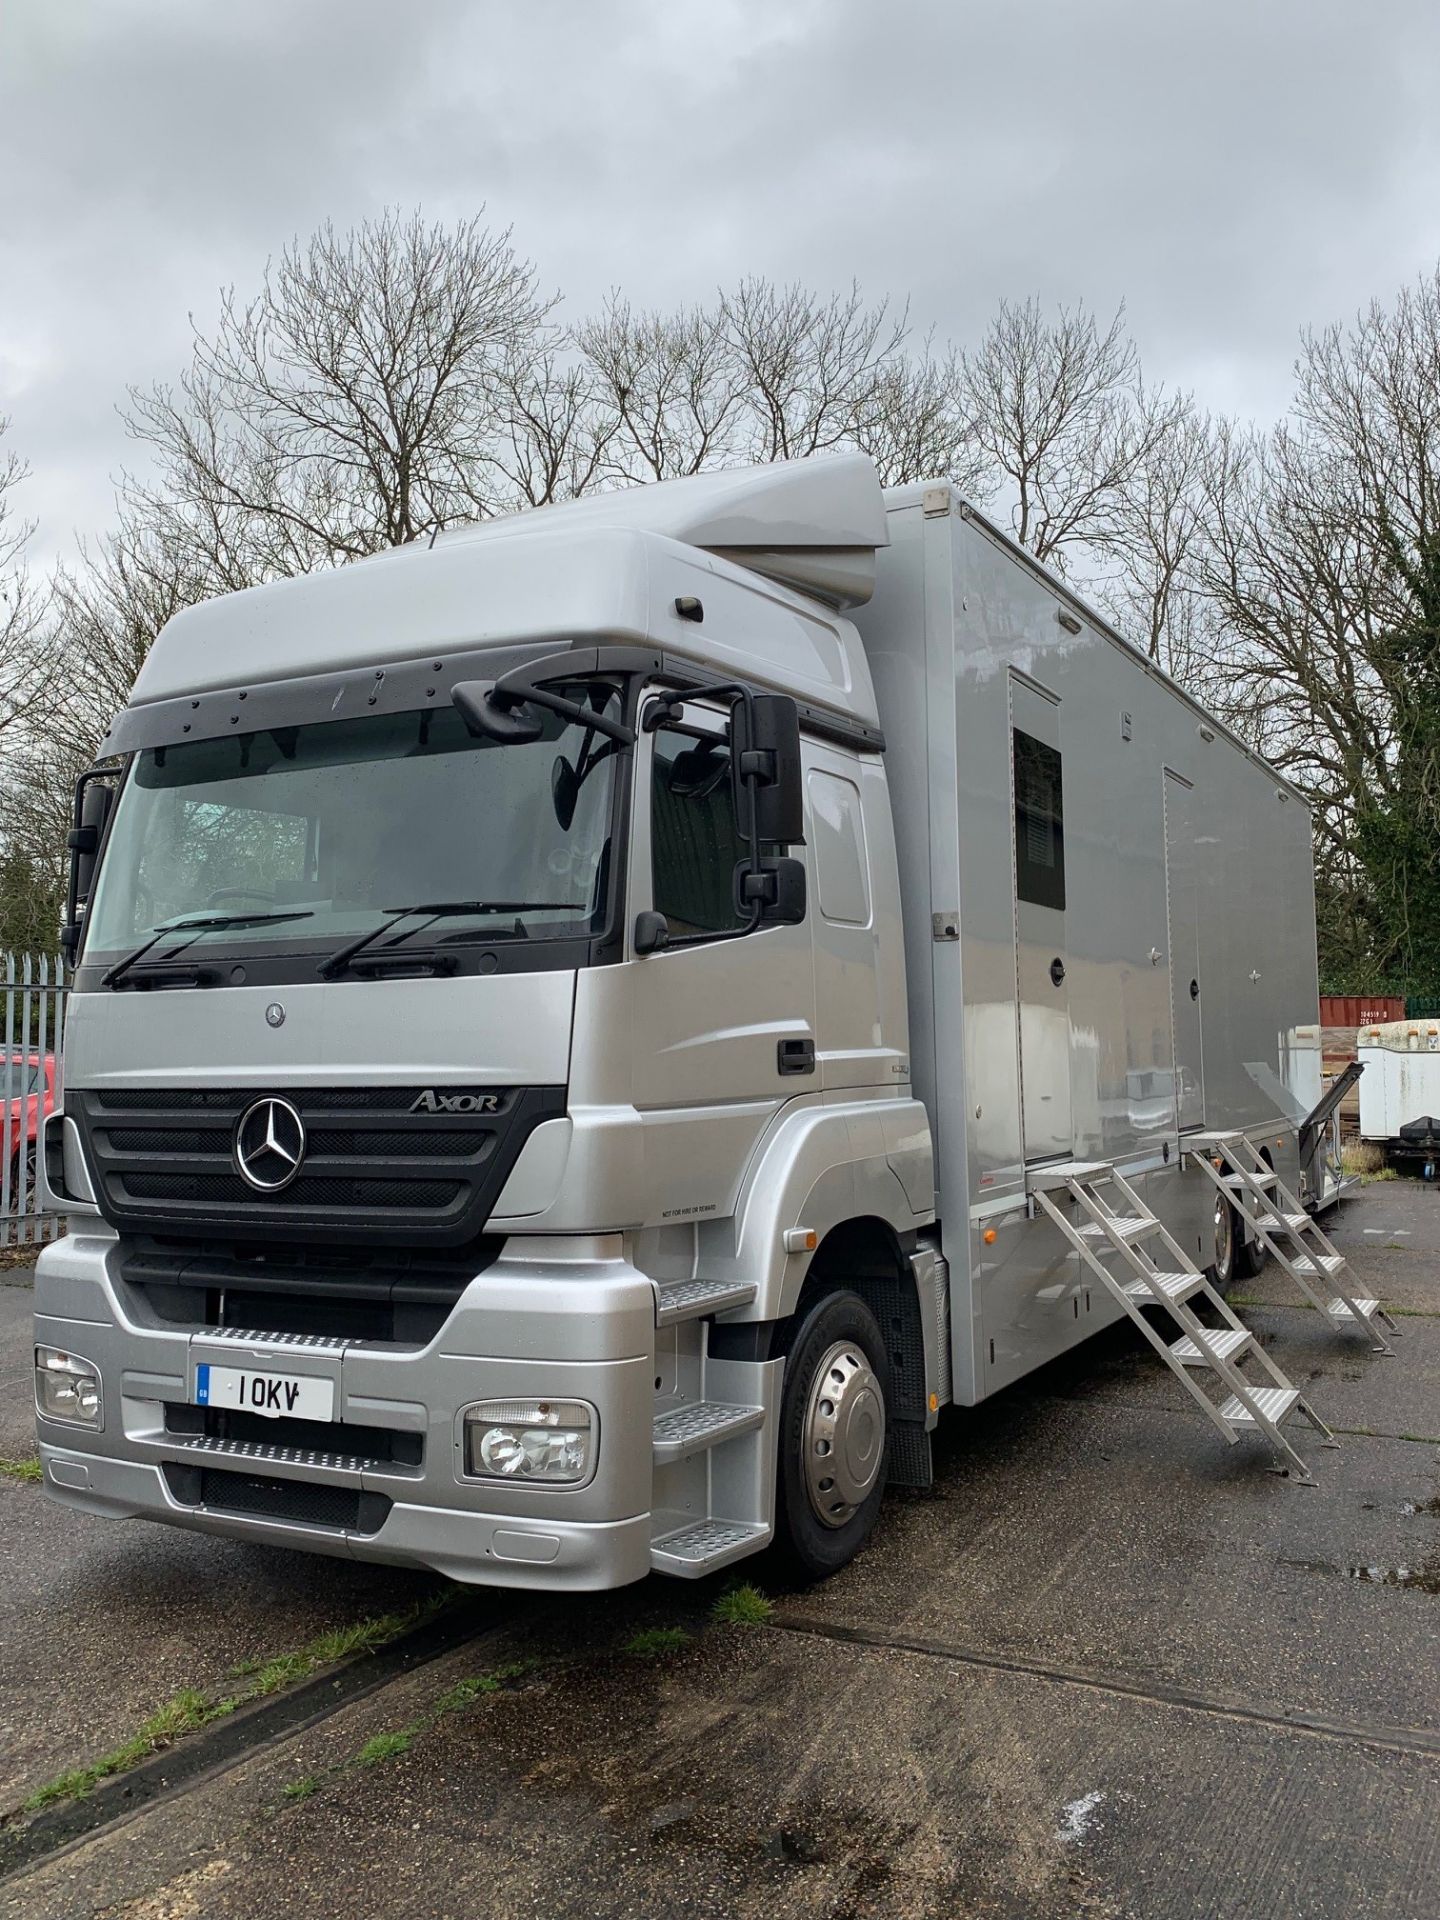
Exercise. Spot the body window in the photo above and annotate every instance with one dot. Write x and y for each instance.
(839, 838)
(1039, 823)
(695, 841)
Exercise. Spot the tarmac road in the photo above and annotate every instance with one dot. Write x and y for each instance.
(1107, 1666)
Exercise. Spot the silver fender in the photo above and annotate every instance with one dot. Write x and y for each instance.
(818, 1166)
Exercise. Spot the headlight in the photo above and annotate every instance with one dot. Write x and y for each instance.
(550, 1441)
(67, 1388)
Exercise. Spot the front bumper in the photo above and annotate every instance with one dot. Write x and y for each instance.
(561, 1318)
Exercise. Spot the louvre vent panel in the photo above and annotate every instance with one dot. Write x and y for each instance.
(376, 1160)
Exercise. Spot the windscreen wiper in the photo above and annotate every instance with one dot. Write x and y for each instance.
(196, 927)
(437, 910)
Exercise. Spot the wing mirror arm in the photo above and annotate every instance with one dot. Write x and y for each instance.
(496, 709)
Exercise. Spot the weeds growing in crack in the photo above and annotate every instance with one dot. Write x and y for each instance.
(743, 1606)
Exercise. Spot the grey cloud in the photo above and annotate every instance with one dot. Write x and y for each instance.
(1232, 171)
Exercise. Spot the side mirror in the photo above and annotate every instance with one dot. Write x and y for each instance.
(779, 888)
(652, 931)
(564, 791)
(93, 803)
(770, 763)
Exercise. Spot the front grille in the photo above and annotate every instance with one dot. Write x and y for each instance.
(164, 1161)
(331, 1294)
(231, 1190)
(306, 1503)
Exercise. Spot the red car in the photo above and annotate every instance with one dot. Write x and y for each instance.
(27, 1095)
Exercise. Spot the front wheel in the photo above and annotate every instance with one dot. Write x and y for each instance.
(833, 1430)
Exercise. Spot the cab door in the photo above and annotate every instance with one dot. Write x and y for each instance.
(723, 1029)
(1041, 965)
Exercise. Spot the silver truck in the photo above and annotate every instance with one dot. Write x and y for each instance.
(578, 1028)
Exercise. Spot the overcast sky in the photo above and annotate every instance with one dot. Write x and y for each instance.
(1230, 168)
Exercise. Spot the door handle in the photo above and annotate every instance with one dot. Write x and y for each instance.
(1194, 989)
(1057, 972)
(795, 1056)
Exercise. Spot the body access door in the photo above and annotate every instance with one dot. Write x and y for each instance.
(1038, 815)
(1182, 896)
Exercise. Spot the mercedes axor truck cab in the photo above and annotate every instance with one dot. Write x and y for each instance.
(578, 1030)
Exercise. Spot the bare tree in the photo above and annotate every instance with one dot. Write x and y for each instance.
(355, 403)
(671, 385)
(1055, 406)
(810, 366)
(1325, 567)
(775, 373)
(557, 432)
(22, 680)
(1154, 549)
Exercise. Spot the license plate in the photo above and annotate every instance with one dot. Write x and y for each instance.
(299, 1396)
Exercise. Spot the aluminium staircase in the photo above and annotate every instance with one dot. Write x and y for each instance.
(1154, 1271)
(1289, 1233)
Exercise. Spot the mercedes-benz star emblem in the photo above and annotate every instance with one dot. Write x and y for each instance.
(275, 1014)
(269, 1145)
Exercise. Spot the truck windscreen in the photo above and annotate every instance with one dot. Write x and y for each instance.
(349, 819)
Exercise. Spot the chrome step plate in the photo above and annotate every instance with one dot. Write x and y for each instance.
(705, 1546)
(690, 1299)
(701, 1424)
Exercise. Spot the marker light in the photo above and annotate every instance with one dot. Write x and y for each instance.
(67, 1388)
(551, 1442)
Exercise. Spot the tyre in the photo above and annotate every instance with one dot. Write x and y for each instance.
(1250, 1257)
(833, 1433)
(1250, 1254)
(1228, 1235)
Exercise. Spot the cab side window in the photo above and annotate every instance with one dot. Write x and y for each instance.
(695, 838)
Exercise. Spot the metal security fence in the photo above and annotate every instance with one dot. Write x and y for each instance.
(32, 1020)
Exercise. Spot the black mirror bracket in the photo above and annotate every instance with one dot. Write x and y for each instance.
(498, 708)
(89, 817)
(652, 931)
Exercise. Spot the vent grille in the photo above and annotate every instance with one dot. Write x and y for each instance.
(164, 1161)
(303, 1502)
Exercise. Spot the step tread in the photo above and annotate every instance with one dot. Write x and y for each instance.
(1326, 1263)
(1197, 1142)
(1128, 1226)
(700, 1423)
(689, 1299)
(1338, 1310)
(1065, 1171)
(1173, 1286)
(703, 1546)
(1215, 1343)
(1289, 1222)
(1238, 1183)
(1274, 1402)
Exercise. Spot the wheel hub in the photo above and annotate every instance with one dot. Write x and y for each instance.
(844, 1433)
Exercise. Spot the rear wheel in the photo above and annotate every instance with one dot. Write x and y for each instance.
(1227, 1239)
(1250, 1258)
(833, 1430)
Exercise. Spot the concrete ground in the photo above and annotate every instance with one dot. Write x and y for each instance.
(1106, 1666)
